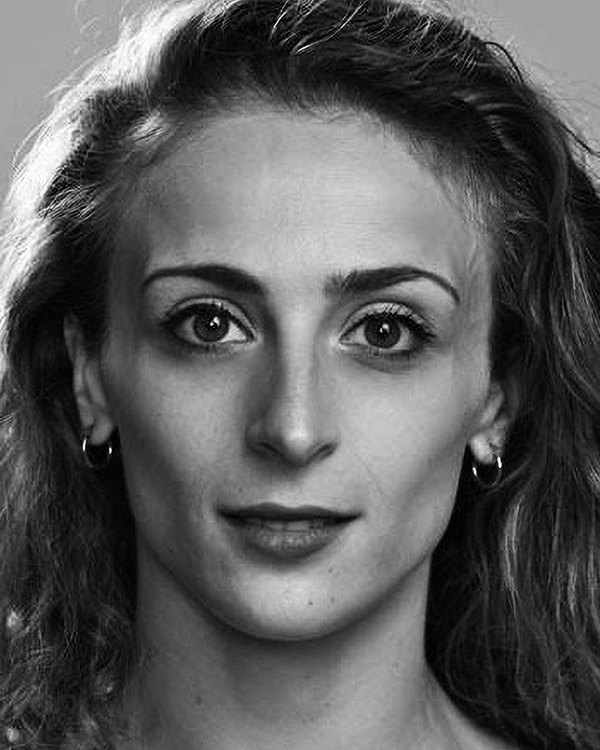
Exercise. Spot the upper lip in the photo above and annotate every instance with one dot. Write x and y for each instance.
(283, 512)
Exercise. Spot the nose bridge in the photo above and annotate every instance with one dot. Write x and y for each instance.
(295, 420)
(298, 386)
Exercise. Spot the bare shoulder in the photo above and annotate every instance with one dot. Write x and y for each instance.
(468, 736)
(483, 741)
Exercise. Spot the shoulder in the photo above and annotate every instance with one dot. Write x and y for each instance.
(468, 736)
(471, 737)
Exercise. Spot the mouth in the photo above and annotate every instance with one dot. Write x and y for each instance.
(285, 514)
(286, 533)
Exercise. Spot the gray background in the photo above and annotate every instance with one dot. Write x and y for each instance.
(42, 41)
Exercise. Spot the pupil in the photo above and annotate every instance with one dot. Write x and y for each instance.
(382, 332)
(211, 326)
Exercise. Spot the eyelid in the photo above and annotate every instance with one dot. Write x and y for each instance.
(420, 334)
(222, 303)
(384, 307)
(185, 310)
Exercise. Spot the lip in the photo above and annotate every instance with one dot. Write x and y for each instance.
(286, 533)
(285, 512)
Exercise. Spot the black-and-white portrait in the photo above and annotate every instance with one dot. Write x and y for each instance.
(300, 376)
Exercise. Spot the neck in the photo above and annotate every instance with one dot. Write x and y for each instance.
(206, 686)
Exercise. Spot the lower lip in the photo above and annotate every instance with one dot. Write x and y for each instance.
(287, 540)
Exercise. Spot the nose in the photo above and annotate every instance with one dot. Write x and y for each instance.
(292, 420)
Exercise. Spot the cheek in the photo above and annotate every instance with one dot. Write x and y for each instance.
(417, 420)
(175, 432)
(409, 440)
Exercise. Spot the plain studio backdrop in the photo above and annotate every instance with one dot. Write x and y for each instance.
(43, 41)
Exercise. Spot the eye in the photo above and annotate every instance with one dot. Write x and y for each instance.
(390, 330)
(209, 325)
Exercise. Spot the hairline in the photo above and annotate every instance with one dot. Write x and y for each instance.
(455, 180)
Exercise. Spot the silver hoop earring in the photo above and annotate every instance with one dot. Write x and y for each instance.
(488, 483)
(96, 457)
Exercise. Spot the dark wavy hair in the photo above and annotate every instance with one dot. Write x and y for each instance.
(513, 628)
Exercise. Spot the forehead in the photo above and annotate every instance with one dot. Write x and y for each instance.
(283, 192)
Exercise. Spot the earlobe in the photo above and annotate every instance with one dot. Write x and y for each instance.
(88, 386)
(488, 440)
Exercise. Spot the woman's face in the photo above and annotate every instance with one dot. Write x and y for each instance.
(297, 359)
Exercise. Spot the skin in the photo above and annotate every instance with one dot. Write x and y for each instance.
(293, 406)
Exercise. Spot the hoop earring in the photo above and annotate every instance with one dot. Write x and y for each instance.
(494, 481)
(96, 459)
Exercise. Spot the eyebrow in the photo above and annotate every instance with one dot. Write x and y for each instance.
(358, 281)
(224, 276)
(372, 280)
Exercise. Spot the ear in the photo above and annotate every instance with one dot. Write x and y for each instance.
(88, 386)
(495, 417)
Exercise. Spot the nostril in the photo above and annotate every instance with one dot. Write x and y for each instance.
(264, 447)
(292, 420)
(295, 449)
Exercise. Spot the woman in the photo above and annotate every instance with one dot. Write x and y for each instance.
(300, 395)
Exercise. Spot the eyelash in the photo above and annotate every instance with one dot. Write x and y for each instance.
(175, 320)
(401, 316)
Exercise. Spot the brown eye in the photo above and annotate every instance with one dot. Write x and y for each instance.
(383, 331)
(211, 325)
(391, 330)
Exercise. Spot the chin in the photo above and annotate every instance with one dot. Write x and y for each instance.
(287, 632)
(297, 621)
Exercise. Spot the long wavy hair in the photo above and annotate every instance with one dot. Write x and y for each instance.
(513, 627)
